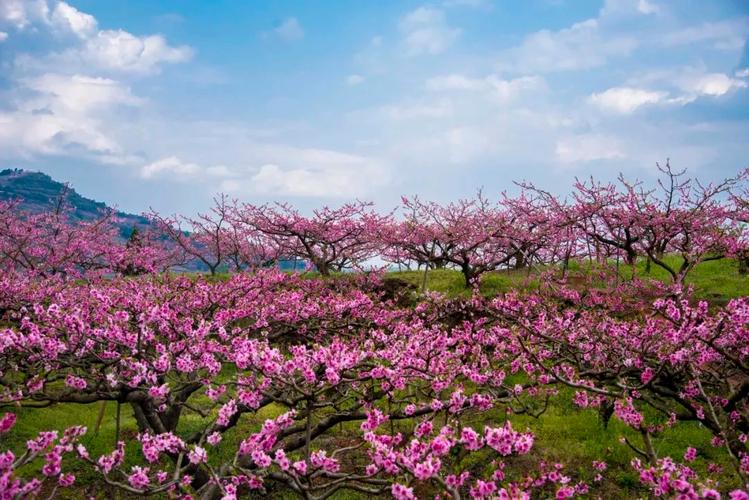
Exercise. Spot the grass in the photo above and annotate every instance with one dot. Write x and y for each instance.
(717, 281)
(564, 433)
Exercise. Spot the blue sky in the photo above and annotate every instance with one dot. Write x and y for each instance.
(165, 103)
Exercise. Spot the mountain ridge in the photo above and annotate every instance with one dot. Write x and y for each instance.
(38, 192)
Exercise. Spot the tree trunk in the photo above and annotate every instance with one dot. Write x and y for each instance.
(322, 267)
(468, 275)
(743, 263)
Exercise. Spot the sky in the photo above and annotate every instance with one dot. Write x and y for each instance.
(165, 103)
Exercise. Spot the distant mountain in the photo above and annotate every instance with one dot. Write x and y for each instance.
(38, 192)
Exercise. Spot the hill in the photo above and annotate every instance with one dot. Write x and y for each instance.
(38, 192)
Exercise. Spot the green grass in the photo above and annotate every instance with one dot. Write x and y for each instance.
(451, 282)
(717, 281)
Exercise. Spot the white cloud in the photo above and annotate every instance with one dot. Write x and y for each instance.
(425, 31)
(626, 99)
(588, 147)
(689, 83)
(177, 169)
(94, 50)
(170, 166)
(64, 115)
(710, 84)
(624, 8)
(728, 34)
(742, 73)
(581, 46)
(71, 19)
(276, 170)
(289, 30)
(78, 94)
(22, 13)
(121, 51)
(354, 80)
(3, 36)
(65, 102)
(647, 7)
(496, 88)
(360, 179)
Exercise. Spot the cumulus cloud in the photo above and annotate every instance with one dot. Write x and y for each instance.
(92, 49)
(73, 20)
(113, 52)
(626, 99)
(77, 94)
(22, 13)
(122, 51)
(289, 30)
(426, 31)
(64, 114)
(71, 99)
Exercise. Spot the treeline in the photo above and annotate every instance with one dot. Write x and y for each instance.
(622, 221)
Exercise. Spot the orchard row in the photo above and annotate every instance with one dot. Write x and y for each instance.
(601, 222)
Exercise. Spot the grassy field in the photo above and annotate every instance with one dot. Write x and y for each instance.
(564, 433)
(717, 281)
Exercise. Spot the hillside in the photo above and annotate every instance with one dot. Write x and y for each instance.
(38, 192)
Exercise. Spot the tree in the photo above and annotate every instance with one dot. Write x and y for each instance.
(330, 239)
(53, 244)
(203, 238)
(473, 235)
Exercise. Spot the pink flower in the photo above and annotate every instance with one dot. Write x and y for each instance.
(427, 469)
(66, 480)
(7, 422)
(75, 382)
(423, 429)
(471, 439)
(401, 492)
(214, 438)
(300, 467)
(646, 375)
(138, 478)
(483, 489)
(197, 455)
